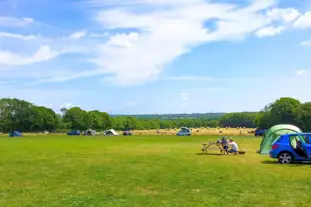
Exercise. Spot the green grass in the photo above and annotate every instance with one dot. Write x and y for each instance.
(143, 171)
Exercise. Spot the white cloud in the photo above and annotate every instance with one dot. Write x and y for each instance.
(306, 43)
(15, 22)
(18, 36)
(44, 53)
(285, 15)
(302, 72)
(78, 35)
(98, 35)
(165, 33)
(270, 31)
(303, 21)
(159, 35)
(68, 105)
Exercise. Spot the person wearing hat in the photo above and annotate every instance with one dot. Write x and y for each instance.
(234, 147)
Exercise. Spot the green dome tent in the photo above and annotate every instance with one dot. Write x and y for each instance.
(273, 133)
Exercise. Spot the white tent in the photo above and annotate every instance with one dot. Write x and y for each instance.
(111, 132)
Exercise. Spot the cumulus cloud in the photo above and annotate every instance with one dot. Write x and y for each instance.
(286, 15)
(270, 31)
(140, 37)
(170, 30)
(304, 21)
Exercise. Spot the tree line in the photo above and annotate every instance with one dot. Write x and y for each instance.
(23, 116)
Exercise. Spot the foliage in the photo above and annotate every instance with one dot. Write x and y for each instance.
(26, 117)
(238, 120)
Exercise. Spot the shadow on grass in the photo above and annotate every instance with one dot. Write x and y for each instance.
(271, 162)
(210, 154)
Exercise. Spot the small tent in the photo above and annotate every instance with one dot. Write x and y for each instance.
(273, 133)
(15, 134)
(111, 132)
(90, 132)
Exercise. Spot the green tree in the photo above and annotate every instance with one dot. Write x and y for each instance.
(77, 118)
(95, 120)
(284, 111)
(304, 116)
(107, 121)
(237, 120)
(16, 114)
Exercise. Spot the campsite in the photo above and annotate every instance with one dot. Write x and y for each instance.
(87, 159)
(60, 170)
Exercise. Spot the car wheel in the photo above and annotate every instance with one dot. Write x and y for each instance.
(285, 158)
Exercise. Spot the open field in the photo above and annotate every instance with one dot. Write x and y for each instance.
(144, 171)
(199, 132)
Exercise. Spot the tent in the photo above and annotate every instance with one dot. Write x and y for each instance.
(273, 133)
(90, 132)
(111, 132)
(15, 134)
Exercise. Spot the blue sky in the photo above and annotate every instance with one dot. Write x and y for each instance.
(155, 56)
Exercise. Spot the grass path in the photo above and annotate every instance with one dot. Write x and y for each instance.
(143, 171)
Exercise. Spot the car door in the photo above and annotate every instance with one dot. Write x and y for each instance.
(306, 145)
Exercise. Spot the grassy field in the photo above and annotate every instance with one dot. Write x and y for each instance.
(144, 171)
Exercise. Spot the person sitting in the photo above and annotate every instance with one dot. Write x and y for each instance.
(234, 147)
(299, 149)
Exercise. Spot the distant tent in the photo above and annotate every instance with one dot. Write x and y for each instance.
(273, 133)
(90, 132)
(111, 132)
(15, 134)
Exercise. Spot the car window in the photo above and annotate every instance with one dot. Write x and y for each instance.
(293, 141)
(305, 138)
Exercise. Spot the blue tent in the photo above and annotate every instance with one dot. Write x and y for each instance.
(15, 134)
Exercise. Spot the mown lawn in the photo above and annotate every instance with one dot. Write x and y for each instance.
(143, 171)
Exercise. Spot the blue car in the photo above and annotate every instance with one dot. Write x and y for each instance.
(292, 147)
(260, 132)
(74, 133)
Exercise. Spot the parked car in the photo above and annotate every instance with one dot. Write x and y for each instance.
(260, 132)
(184, 132)
(292, 147)
(74, 133)
(127, 133)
